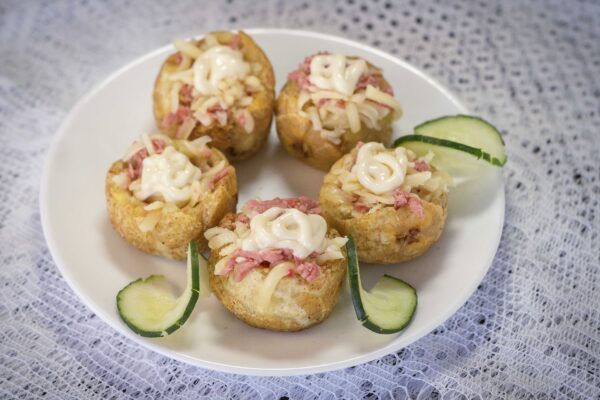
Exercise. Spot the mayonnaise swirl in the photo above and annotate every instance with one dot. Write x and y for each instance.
(380, 170)
(335, 72)
(167, 176)
(216, 64)
(286, 228)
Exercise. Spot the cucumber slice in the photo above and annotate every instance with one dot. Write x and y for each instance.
(148, 305)
(469, 131)
(390, 305)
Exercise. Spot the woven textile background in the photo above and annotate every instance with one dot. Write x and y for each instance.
(531, 330)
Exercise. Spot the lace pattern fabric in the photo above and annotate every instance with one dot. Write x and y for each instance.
(531, 330)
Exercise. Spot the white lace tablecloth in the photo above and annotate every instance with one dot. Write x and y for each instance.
(531, 330)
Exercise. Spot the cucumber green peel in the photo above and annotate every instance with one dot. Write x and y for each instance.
(411, 142)
(388, 307)
(149, 307)
(457, 133)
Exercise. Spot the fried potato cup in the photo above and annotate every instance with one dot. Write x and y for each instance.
(296, 304)
(234, 138)
(386, 235)
(296, 127)
(303, 142)
(166, 231)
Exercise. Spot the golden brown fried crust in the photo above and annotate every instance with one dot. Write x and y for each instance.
(297, 304)
(388, 235)
(304, 143)
(231, 139)
(176, 227)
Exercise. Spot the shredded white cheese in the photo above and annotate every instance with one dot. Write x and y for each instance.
(276, 274)
(280, 228)
(221, 80)
(187, 48)
(215, 66)
(145, 143)
(340, 106)
(372, 93)
(378, 172)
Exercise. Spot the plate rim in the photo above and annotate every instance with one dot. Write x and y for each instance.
(223, 367)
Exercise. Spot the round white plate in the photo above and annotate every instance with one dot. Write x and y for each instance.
(97, 263)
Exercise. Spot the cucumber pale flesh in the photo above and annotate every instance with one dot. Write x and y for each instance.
(149, 307)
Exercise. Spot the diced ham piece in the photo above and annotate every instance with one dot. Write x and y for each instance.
(217, 177)
(304, 204)
(185, 94)
(241, 119)
(305, 66)
(276, 256)
(300, 78)
(134, 169)
(366, 80)
(215, 108)
(183, 112)
(178, 58)
(236, 43)
(176, 118)
(139, 156)
(301, 74)
(242, 269)
(402, 199)
(308, 270)
(422, 166)
(361, 207)
(131, 173)
(415, 206)
(205, 152)
(159, 145)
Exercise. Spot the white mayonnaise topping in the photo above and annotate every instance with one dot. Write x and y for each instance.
(378, 169)
(168, 176)
(216, 64)
(335, 72)
(286, 228)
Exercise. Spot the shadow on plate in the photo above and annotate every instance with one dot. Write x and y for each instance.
(135, 263)
(474, 196)
(299, 178)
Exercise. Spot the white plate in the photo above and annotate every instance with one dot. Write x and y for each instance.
(96, 262)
